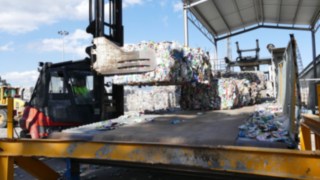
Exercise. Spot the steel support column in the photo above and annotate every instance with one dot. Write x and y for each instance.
(215, 55)
(313, 38)
(36, 168)
(6, 168)
(185, 27)
(10, 118)
(73, 170)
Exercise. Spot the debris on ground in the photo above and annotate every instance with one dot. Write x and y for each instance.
(266, 124)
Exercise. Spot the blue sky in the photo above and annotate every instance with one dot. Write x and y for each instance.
(28, 33)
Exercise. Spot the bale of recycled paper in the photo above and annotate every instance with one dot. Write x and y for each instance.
(228, 93)
(244, 92)
(251, 76)
(218, 94)
(151, 99)
(197, 96)
(175, 64)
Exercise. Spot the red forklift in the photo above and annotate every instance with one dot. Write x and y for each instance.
(56, 103)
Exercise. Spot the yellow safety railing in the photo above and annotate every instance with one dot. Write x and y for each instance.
(310, 124)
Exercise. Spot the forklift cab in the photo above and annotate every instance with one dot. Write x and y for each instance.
(69, 95)
(82, 86)
(56, 103)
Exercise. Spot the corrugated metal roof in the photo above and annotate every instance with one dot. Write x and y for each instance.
(222, 17)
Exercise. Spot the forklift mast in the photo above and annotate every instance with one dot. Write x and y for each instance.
(97, 27)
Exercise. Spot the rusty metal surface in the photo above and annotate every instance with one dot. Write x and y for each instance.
(36, 168)
(312, 122)
(246, 160)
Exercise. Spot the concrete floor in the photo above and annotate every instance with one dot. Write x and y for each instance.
(191, 128)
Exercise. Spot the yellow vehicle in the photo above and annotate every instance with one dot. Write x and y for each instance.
(5, 92)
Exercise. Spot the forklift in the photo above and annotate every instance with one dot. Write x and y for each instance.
(6, 91)
(56, 104)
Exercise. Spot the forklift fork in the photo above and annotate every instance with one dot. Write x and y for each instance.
(113, 60)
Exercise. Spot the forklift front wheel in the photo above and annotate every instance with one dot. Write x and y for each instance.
(24, 134)
(3, 118)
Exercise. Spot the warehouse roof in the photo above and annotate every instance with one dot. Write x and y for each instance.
(223, 18)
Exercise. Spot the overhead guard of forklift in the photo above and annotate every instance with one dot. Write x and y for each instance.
(112, 59)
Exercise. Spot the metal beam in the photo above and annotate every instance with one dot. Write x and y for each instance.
(10, 118)
(279, 14)
(262, 26)
(256, 13)
(286, 27)
(313, 38)
(253, 63)
(236, 33)
(185, 27)
(315, 19)
(316, 29)
(238, 11)
(314, 94)
(220, 14)
(194, 4)
(296, 13)
(200, 18)
(200, 27)
(6, 167)
(227, 159)
(262, 10)
(36, 168)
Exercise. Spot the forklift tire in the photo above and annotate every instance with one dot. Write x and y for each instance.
(3, 118)
(24, 134)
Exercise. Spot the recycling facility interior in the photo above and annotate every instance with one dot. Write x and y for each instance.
(204, 108)
(216, 110)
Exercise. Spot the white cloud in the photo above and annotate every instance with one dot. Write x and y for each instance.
(7, 47)
(22, 79)
(28, 15)
(177, 6)
(74, 44)
(127, 3)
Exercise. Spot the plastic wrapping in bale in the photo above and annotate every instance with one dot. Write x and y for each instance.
(175, 64)
(218, 94)
(198, 96)
(225, 91)
(151, 99)
(228, 93)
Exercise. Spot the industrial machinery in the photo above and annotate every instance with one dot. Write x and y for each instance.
(7, 91)
(248, 58)
(201, 156)
(247, 63)
(56, 104)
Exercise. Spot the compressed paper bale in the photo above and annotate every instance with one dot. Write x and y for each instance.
(175, 64)
(228, 93)
(197, 96)
(251, 76)
(244, 91)
(151, 99)
(218, 94)
(269, 85)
